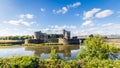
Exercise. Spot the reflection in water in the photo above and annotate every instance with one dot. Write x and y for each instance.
(14, 51)
(63, 49)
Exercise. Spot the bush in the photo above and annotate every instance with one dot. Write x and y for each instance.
(95, 47)
(54, 63)
(19, 62)
(98, 63)
(53, 54)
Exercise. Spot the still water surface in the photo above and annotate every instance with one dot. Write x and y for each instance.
(65, 52)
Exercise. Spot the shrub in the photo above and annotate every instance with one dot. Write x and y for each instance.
(19, 62)
(94, 47)
(53, 54)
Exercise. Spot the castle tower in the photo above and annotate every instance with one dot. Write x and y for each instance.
(66, 34)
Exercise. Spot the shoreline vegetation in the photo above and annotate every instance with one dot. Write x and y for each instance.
(94, 54)
(42, 44)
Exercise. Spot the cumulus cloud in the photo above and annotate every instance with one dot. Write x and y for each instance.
(19, 22)
(28, 16)
(74, 5)
(111, 25)
(23, 19)
(104, 13)
(42, 9)
(62, 27)
(107, 25)
(89, 14)
(65, 9)
(88, 23)
(57, 29)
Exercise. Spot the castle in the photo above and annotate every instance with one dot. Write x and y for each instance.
(64, 38)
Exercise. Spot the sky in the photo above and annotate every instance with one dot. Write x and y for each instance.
(81, 17)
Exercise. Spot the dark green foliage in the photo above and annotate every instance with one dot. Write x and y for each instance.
(99, 63)
(95, 54)
(58, 64)
(19, 62)
(33, 62)
(53, 54)
(94, 47)
(15, 37)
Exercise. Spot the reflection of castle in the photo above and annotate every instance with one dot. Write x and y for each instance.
(66, 50)
(64, 38)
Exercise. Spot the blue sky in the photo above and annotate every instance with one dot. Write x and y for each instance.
(81, 17)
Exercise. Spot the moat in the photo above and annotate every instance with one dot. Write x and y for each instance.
(67, 52)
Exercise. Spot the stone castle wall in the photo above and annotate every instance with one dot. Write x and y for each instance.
(35, 41)
(63, 41)
(68, 41)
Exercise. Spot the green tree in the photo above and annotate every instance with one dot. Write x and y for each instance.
(94, 47)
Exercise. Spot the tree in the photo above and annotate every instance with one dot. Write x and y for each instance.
(94, 47)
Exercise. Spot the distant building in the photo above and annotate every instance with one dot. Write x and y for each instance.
(113, 36)
(82, 36)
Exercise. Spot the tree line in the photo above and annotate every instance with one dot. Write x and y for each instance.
(16, 37)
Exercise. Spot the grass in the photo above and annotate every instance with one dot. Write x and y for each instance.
(5, 44)
(42, 44)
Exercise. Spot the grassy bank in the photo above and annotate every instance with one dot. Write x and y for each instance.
(5, 44)
(42, 44)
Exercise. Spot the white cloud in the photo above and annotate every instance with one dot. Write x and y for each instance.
(64, 9)
(74, 5)
(42, 9)
(89, 14)
(19, 22)
(107, 25)
(104, 13)
(14, 32)
(28, 16)
(56, 29)
(88, 23)
(62, 27)
(111, 25)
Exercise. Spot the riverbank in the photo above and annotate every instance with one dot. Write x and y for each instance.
(34, 62)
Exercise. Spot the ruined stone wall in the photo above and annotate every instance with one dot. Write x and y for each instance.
(63, 41)
(33, 41)
(68, 41)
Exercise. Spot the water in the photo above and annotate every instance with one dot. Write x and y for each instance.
(65, 52)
